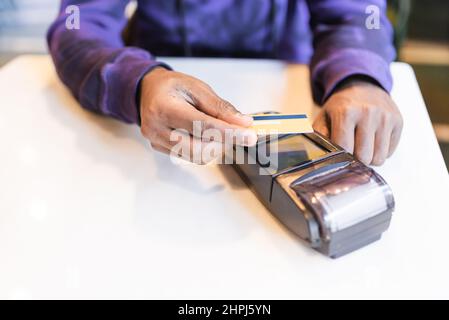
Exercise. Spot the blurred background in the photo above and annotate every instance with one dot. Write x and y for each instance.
(421, 37)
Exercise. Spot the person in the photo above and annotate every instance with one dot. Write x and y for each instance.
(109, 64)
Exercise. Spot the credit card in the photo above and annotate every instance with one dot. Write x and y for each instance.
(265, 124)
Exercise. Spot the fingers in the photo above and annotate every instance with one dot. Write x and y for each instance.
(395, 137)
(182, 115)
(172, 100)
(179, 143)
(364, 141)
(343, 122)
(363, 120)
(207, 101)
(321, 124)
(381, 145)
(160, 148)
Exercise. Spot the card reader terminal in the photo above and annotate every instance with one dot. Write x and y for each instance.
(320, 192)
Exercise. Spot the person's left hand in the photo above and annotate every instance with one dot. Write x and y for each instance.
(363, 119)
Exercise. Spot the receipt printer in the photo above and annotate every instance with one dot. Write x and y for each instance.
(318, 191)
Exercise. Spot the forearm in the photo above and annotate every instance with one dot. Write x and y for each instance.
(93, 62)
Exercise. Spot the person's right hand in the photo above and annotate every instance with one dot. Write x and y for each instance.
(171, 100)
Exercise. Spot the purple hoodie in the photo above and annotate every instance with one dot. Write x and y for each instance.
(102, 65)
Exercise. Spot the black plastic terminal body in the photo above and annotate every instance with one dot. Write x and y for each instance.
(275, 191)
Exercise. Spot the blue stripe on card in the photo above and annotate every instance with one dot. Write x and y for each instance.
(280, 117)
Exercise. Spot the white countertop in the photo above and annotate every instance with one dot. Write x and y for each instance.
(88, 210)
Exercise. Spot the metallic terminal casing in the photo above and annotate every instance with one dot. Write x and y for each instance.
(334, 202)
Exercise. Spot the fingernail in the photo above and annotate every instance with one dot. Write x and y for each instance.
(246, 118)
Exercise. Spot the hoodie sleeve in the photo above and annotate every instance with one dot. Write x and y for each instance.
(348, 42)
(92, 60)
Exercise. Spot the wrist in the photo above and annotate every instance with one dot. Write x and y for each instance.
(154, 74)
(151, 75)
(357, 80)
